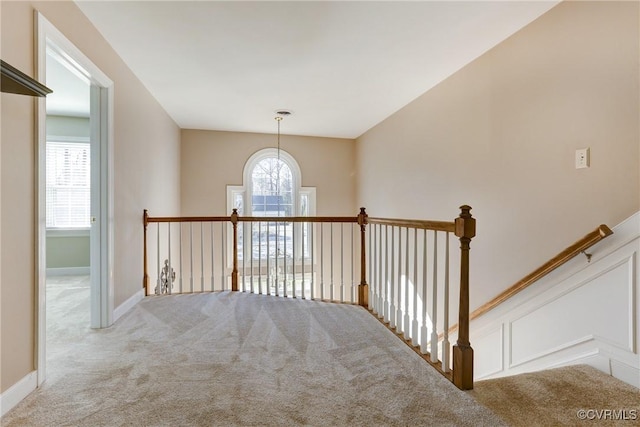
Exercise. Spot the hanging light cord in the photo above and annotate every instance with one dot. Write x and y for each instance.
(278, 119)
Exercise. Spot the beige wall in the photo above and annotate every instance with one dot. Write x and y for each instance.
(500, 135)
(212, 160)
(146, 161)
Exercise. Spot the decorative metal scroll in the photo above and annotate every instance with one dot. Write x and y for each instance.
(167, 277)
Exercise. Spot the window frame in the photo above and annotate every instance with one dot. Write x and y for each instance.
(245, 193)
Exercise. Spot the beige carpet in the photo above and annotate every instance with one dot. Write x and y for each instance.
(570, 396)
(240, 359)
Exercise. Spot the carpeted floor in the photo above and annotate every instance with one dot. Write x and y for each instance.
(240, 359)
(570, 396)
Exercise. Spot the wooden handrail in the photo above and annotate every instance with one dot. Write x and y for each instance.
(570, 252)
(415, 223)
(188, 219)
(352, 219)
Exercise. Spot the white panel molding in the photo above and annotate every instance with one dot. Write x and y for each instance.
(634, 301)
(14, 394)
(626, 372)
(485, 338)
(543, 354)
(565, 290)
(128, 304)
(518, 335)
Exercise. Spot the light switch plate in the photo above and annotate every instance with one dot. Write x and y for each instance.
(582, 158)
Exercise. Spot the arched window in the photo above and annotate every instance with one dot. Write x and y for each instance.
(272, 187)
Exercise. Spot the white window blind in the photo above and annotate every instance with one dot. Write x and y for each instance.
(68, 184)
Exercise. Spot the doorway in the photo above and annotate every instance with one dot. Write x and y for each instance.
(81, 205)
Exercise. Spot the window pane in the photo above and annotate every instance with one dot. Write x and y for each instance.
(68, 180)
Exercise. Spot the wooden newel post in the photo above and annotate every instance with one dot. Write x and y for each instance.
(465, 227)
(145, 277)
(234, 273)
(363, 289)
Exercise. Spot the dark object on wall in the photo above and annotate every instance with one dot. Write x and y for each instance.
(15, 81)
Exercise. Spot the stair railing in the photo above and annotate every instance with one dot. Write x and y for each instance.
(328, 259)
(410, 274)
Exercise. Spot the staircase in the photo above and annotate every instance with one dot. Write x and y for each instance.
(572, 395)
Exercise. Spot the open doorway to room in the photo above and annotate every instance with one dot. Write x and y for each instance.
(75, 207)
(68, 207)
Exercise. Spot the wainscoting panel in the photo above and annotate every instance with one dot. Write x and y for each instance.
(596, 309)
(584, 312)
(488, 341)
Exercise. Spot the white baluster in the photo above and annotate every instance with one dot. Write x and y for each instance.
(445, 342)
(202, 257)
(212, 260)
(341, 263)
(399, 325)
(180, 223)
(191, 257)
(251, 282)
(331, 261)
(392, 306)
(415, 323)
(158, 282)
(169, 281)
(407, 317)
(260, 257)
(302, 228)
(424, 334)
(385, 278)
(434, 302)
(321, 261)
(312, 251)
(223, 250)
(276, 259)
(379, 277)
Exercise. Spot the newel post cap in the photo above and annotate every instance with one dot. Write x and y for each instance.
(362, 216)
(465, 223)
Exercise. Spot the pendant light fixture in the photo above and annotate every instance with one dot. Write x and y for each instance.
(280, 114)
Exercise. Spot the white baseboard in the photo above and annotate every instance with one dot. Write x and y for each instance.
(68, 271)
(128, 304)
(14, 394)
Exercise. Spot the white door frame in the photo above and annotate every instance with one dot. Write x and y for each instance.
(47, 36)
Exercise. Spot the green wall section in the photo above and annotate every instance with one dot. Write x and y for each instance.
(68, 126)
(67, 251)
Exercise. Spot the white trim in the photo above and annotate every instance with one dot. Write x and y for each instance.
(68, 232)
(80, 139)
(128, 305)
(49, 39)
(14, 394)
(68, 271)
(296, 174)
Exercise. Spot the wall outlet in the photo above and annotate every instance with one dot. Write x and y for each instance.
(582, 158)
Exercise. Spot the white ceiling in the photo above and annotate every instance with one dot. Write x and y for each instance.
(341, 67)
(71, 94)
